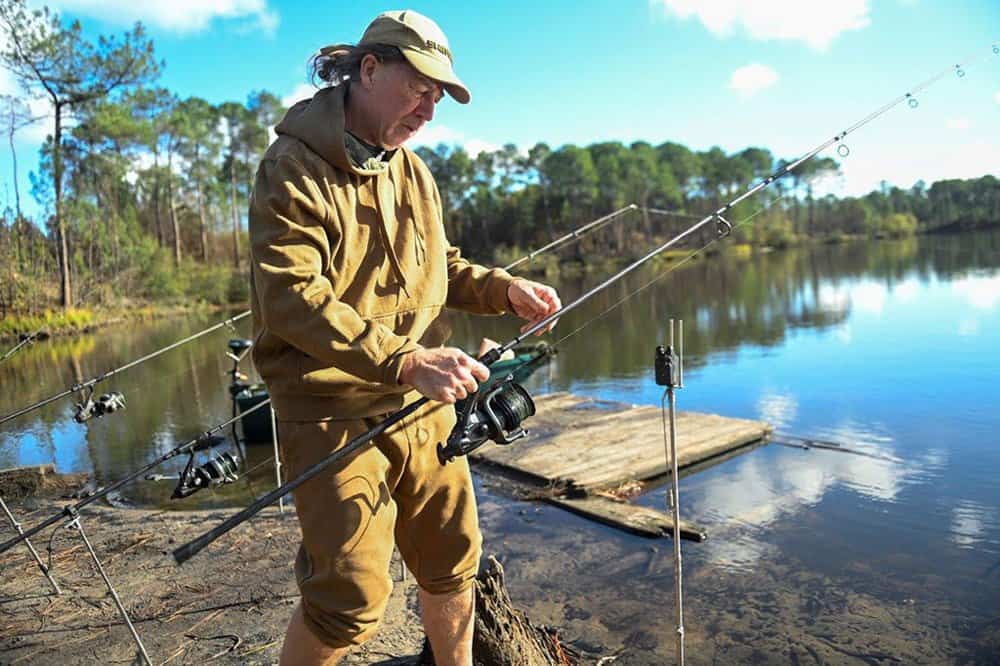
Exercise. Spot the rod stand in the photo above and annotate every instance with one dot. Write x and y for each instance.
(669, 367)
(75, 523)
(34, 553)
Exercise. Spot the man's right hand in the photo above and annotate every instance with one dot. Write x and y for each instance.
(445, 374)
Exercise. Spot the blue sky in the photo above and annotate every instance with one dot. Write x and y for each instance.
(782, 74)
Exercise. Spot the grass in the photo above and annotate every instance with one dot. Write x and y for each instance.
(79, 320)
(73, 320)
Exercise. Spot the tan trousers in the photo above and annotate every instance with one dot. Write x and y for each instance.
(351, 515)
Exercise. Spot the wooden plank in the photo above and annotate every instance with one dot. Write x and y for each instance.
(635, 519)
(608, 446)
(580, 444)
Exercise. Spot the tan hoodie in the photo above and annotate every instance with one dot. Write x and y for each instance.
(350, 267)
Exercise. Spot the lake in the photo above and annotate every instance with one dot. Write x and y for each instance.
(888, 554)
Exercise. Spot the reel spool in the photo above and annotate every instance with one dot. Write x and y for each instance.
(90, 408)
(216, 472)
(497, 416)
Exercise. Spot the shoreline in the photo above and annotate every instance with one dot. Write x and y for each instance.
(107, 318)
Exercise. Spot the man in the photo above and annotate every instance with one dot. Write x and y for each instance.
(350, 271)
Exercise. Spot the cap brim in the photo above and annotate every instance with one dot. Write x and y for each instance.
(440, 71)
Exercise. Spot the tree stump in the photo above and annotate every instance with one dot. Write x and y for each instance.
(504, 636)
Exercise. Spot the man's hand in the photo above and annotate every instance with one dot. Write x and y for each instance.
(533, 302)
(445, 374)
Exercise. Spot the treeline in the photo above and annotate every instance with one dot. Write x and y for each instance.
(521, 199)
(145, 193)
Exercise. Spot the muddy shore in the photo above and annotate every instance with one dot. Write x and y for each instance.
(229, 605)
(608, 594)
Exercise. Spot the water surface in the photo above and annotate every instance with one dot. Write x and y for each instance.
(887, 347)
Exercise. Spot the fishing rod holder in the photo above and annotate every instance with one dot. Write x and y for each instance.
(723, 227)
(238, 348)
(76, 524)
(89, 408)
(496, 415)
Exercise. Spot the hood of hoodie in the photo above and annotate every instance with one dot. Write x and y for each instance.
(319, 124)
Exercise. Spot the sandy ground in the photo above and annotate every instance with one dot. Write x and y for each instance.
(609, 595)
(229, 604)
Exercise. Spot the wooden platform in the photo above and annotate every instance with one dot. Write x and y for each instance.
(580, 446)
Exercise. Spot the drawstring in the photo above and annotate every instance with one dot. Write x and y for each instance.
(387, 209)
(418, 234)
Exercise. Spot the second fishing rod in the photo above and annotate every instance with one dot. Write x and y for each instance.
(495, 412)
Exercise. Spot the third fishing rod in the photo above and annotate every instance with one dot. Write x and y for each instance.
(519, 406)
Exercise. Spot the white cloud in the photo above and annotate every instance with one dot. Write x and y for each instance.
(758, 491)
(968, 523)
(301, 91)
(982, 293)
(432, 135)
(751, 79)
(833, 298)
(869, 297)
(960, 123)
(906, 292)
(814, 23)
(968, 327)
(777, 409)
(182, 16)
(869, 164)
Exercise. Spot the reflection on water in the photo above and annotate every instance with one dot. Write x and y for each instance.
(889, 348)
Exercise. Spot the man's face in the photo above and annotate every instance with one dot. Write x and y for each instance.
(402, 101)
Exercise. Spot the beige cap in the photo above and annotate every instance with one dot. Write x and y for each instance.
(422, 43)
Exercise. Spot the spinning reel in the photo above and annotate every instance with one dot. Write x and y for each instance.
(217, 471)
(495, 415)
(92, 409)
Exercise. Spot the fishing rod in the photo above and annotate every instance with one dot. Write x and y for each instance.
(25, 341)
(204, 441)
(478, 421)
(111, 373)
(573, 235)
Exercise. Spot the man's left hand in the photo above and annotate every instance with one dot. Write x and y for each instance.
(533, 302)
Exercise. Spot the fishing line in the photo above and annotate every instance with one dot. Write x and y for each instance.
(574, 235)
(666, 272)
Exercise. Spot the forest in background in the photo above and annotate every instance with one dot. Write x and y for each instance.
(144, 193)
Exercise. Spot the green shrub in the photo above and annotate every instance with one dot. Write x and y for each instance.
(896, 225)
